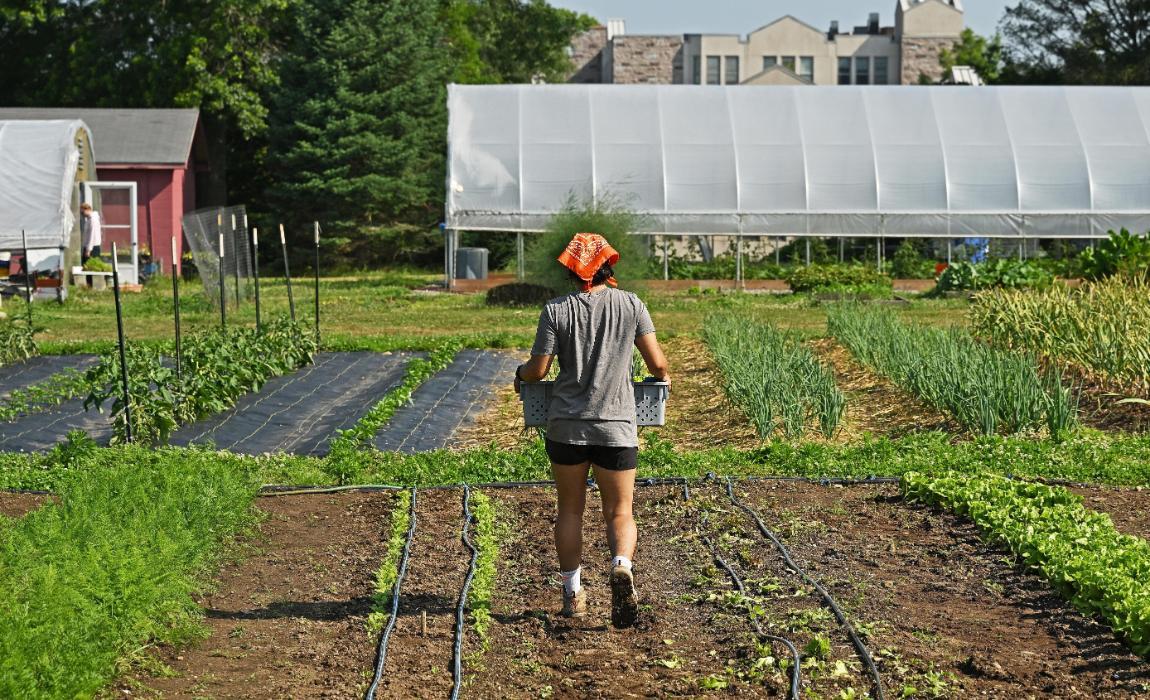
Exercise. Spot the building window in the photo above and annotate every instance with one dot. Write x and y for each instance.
(770, 62)
(807, 68)
(862, 70)
(714, 70)
(732, 76)
(844, 71)
(696, 69)
(881, 70)
(789, 63)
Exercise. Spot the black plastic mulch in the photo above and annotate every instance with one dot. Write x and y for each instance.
(37, 432)
(446, 402)
(34, 370)
(301, 412)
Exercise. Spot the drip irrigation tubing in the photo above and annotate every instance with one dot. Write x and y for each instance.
(297, 490)
(457, 651)
(863, 653)
(796, 659)
(385, 637)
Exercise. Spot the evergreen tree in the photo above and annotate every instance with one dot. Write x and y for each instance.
(359, 123)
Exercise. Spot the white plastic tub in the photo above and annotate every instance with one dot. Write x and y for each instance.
(650, 402)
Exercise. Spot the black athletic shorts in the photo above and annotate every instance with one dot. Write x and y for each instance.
(616, 459)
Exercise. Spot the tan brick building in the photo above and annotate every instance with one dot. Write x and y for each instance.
(784, 52)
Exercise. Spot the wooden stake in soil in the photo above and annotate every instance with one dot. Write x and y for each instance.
(423, 622)
(176, 309)
(120, 340)
(287, 273)
(317, 284)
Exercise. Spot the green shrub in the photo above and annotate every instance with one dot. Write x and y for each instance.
(999, 272)
(112, 567)
(1121, 254)
(839, 278)
(17, 341)
(519, 294)
(95, 264)
(909, 262)
(607, 217)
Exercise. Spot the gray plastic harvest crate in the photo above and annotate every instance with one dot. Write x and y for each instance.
(650, 402)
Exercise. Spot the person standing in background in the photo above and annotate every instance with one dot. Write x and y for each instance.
(91, 233)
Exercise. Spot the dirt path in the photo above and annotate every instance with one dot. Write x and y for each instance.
(1128, 508)
(943, 609)
(418, 665)
(536, 653)
(17, 505)
(290, 619)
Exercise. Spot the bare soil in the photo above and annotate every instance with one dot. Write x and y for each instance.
(937, 600)
(17, 505)
(290, 619)
(1128, 508)
(1099, 407)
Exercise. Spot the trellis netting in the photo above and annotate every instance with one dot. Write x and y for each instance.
(953, 162)
(203, 229)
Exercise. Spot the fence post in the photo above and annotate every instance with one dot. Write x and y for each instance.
(223, 287)
(287, 273)
(256, 271)
(236, 253)
(176, 309)
(317, 285)
(120, 341)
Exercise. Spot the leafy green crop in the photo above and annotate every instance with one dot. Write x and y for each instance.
(53, 391)
(986, 388)
(773, 377)
(999, 272)
(1099, 570)
(218, 366)
(838, 278)
(389, 568)
(1121, 254)
(112, 566)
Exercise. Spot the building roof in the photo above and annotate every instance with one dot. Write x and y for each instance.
(907, 4)
(126, 136)
(786, 18)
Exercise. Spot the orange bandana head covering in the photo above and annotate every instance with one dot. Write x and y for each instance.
(585, 254)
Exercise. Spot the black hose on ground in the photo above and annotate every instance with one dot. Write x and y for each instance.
(381, 653)
(457, 652)
(796, 660)
(860, 648)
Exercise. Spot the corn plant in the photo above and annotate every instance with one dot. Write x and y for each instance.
(1102, 328)
(987, 389)
(773, 377)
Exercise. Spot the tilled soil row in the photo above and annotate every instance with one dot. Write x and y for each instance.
(944, 610)
(290, 619)
(17, 505)
(1128, 508)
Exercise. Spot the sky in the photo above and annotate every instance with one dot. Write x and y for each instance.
(743, 16)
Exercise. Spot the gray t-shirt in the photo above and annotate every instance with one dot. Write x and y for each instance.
(593, 402)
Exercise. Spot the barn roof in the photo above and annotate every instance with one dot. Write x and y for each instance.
(127, 136)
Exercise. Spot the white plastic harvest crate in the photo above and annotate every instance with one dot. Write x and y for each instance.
(650, 402)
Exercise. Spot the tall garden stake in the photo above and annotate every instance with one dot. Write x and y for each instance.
(256, 270)
(287, 272)
(123, 352)
(317, 284)
(176, 308)
(27, 276)
(236, 252)
(223, 287)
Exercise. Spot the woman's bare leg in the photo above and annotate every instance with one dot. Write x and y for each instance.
(571, 488)
(617, 490)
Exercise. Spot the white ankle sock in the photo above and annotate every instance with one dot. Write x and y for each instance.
(571, 583)
(621, 561)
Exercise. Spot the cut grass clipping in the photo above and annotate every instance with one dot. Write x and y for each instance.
(112, 567)
(985, 388)
(389, 569)
(1099, 570)
(773, 377)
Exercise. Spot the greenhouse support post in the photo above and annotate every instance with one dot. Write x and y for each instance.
(256, 272)
(223, 287)
(120, 342)
(287, 273)
(808, 242)
(176, 309)
(666, 260)
(27, 275)
(948, 250)
(520, 271)
(842, 250)
(777, 250)
(739, 262)
(316, 283)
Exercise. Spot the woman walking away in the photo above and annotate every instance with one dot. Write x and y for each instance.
(591, 422)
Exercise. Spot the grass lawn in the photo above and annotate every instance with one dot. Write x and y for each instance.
(386, 310)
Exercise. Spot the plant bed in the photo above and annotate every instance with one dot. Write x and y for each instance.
(17, 505)
(1128, 508)
(289, 618)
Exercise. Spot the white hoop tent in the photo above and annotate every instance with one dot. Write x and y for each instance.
(41, 162)
(1001, 162)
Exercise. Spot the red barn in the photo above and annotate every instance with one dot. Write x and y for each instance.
(161, 150)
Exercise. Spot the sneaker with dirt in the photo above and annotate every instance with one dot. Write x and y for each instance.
(624, 599)
(575, 605)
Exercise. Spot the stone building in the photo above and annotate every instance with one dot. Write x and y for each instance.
(784, 52)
